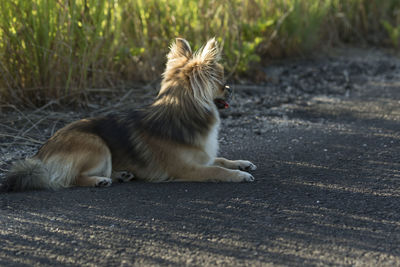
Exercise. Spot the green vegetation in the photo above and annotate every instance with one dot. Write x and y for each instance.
(55, 49)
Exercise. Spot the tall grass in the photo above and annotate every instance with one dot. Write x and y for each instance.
(55, 49)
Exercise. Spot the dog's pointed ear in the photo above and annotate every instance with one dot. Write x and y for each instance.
(181, 48)
(202, 72)
(211, 52)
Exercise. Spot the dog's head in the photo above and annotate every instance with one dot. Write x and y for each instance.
(197, 74)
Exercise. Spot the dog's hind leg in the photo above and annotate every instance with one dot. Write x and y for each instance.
(95, 171)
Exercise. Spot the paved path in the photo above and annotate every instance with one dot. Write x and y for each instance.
(327, 192)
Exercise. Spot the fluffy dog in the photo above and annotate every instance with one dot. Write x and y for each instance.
(173, 139)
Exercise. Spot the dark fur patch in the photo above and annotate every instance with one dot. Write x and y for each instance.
(117, 134)
(176, 125)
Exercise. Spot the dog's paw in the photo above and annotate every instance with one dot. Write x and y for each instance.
(246, 177)
(122, 176)
(241, 176)
(245, 165)
(103, 182)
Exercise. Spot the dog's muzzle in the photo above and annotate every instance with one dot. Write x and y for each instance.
(222, 103)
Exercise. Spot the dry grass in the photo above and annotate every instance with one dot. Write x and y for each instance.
(53, 49)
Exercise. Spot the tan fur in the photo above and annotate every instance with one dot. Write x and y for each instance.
(73, 158)
(174, 139)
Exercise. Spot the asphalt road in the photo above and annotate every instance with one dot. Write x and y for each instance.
(327, 192)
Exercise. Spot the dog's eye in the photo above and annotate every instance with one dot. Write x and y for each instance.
(227, 89)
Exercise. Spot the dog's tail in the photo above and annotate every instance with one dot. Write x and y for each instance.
(26, 175)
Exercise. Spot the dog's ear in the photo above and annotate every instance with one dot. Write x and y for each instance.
(180, 48)
(211, 52)
(201, 71)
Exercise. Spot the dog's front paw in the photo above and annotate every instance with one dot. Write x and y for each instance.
(241, 176)
(246, 177)
(245, 165)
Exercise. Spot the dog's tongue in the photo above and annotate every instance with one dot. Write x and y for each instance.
(222, 104)
(226, 105)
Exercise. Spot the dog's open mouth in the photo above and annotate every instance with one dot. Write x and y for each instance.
(221, 104)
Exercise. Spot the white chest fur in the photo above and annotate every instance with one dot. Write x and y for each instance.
(211, 142)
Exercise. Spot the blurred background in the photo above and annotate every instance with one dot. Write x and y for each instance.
(60, 49)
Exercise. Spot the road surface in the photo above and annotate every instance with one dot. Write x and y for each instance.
(327, 192)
